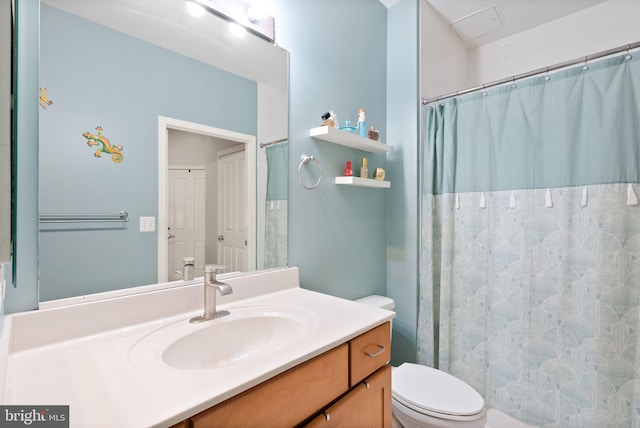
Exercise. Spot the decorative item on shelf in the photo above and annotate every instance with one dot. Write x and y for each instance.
(347, 127)
(330, 119)
(362, 123)
(364, 171)
(347, 169)
(378, 174)
(374, 134)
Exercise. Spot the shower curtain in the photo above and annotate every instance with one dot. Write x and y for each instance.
(275, 247)
(530, 254)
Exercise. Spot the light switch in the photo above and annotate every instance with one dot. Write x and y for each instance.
(147, 224)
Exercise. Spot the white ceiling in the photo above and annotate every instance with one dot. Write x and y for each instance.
(517, 15)
(168, 24)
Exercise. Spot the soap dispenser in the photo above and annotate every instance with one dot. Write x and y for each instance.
(364, 171)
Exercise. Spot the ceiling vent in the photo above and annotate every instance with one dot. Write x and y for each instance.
(478, 23)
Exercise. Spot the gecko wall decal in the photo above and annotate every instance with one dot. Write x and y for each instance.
(43, 100)
(104, 145)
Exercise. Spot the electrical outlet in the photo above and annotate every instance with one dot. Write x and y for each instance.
(147, 224)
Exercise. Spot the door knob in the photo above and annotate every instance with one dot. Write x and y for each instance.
(220, 238)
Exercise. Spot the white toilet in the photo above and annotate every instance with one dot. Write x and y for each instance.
(424, 397)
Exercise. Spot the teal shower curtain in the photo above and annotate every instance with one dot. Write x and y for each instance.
(275, 248)
(530, 255)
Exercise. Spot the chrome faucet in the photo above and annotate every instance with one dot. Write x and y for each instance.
(211, 286)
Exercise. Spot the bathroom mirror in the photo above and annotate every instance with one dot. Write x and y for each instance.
(126, 84)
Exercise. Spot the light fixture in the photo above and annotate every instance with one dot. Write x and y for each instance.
(237, 30)
(257, 10)
(195, 9)
(252, 16)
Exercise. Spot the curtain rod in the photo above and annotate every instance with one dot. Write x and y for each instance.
(580, 60)
(281, 140)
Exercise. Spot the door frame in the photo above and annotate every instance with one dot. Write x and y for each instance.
(166, 123)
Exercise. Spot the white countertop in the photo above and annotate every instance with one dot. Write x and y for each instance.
(79, 355)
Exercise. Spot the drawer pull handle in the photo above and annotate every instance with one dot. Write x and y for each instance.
(375, 354)
(327, 417)
(366, 384)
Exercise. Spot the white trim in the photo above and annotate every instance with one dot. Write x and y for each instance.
(166, 123)
(185, 167)
(230, 151)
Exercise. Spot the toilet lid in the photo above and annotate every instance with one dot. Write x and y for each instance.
(433, 390)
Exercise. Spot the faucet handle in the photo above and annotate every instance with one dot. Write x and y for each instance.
(211, 270)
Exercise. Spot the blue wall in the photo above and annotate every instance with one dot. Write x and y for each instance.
(403, 102)
(337, 234)
(99, 77)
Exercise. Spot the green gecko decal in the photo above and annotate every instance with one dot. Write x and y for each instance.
(104, 145)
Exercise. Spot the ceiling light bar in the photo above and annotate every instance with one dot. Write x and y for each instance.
(239, 12)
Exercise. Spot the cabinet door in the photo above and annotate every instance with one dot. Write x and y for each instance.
(367, 405)
(285, 400)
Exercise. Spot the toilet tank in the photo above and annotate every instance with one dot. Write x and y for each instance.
(378, 301)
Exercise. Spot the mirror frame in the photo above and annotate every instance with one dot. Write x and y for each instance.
(166, 123)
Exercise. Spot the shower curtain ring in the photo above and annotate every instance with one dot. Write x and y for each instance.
(546, 76)
(628, 56)
(585, 67)
(513, 82)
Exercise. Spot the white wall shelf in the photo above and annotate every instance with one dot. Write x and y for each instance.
(333, 135)
(363, 182)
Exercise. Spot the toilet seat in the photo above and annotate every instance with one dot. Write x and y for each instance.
(435, 393)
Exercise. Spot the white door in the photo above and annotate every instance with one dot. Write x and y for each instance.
(232, 211)
(186, 233)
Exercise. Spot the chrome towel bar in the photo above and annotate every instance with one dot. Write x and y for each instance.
(122, 216)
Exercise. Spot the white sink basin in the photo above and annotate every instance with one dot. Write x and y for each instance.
(248, 333)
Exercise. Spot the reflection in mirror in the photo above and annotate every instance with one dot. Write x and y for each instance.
(210, 206)
(276, 208)
(112, 69)
(6, 62)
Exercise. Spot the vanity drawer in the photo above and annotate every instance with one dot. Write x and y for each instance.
(368, 352)
(285, 400)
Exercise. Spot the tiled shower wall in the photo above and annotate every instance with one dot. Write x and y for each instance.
(443, 56)
(447, 66)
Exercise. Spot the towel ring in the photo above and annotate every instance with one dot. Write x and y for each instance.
(304, 159)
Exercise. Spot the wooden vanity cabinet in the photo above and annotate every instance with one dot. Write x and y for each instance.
(367, 405)
(351, 382)
(285, 400)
